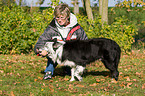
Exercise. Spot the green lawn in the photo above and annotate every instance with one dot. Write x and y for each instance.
(22, 75)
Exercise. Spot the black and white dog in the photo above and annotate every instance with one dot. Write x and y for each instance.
(78, 53)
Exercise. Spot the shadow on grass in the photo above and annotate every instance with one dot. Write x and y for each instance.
(97, 73)
(64, 70)
(61, 71)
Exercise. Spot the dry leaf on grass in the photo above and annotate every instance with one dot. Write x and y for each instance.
(127, 78)
(97, 80)
(94, 84)
(128, 85)
(143, 86)
(65, 79)
(113, 81)
(79, 85)
(12, 93)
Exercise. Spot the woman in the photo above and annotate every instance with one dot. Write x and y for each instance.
(63, 27)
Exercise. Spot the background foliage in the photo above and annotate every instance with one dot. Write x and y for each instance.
(131, 11)
(20, 29)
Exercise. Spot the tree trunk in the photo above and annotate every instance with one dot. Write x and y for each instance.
(88, 9)
(20, 2)
(100, 7)
(104, 14)
(76, 6)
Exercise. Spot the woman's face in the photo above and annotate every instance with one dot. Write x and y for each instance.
(62, 20)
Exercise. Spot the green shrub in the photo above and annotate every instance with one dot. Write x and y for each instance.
(134, 14)
(20, 30)
(130, 10)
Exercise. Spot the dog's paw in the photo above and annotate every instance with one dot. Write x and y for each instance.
(72, 79)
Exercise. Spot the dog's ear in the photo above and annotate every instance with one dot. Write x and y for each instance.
(58, 44)
(55, 44)
(55, 41)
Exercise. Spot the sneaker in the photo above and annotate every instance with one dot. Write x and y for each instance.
(48, 75)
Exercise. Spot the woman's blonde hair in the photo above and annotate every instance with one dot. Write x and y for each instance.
(62, 9)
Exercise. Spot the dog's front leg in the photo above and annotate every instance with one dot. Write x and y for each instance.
(78, 72)
(72, 74)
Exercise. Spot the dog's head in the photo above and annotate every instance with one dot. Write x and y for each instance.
(54, 49)
(57, 44)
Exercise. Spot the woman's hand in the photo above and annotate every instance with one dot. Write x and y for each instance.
(44, 53)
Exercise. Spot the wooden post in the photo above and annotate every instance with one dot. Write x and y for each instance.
(105, 11)
(76, 6)
(88, 9)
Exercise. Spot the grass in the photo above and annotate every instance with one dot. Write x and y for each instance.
(22, 75)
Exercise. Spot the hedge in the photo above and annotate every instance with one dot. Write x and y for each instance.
(19, 30)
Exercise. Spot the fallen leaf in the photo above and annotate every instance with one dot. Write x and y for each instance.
(129, 10)
(70, 89)
(32, 57)
(16, 83)
(102, 79)
(122, 85)
(135, 64)
(143, 86)
(57, 85)
(35, 80)
(136, 85)
(134, 80)
(125, 69)
(12, 93)
(70, 85)
(18, 74)
(113, 81)
(41, 78)
(1, 71)
(120, 73)
(51, 87)
(94, 84)
(65, 79)
(128, 84)
(127, 78)
(97, 80)
(31, 94)
(113, 94)
(50, 81)
(43, 84)
(137, 73)
(79, 85)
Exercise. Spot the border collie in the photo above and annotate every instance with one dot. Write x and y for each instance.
(78, 53)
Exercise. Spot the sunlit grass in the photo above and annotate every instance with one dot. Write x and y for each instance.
(22, 75)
